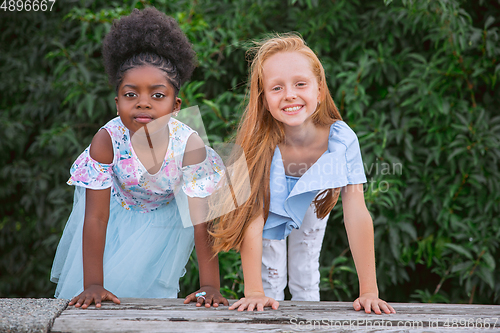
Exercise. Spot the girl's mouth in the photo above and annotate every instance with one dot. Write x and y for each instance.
(143, 118)
(292, 109)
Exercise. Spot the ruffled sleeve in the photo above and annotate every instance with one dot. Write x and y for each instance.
(201, 180)
(342, 133)
(89, 173)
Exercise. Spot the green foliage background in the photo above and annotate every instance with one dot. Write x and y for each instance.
(416, 80)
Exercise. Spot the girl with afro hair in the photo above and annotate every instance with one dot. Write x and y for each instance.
(127, 235)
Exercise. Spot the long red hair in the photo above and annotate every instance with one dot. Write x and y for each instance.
(258, 135)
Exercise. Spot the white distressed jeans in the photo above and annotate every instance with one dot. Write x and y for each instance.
(304, 246)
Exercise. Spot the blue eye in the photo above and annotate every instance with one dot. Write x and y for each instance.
(301, 84)
(276, 88)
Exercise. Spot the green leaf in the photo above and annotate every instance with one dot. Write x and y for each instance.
(460, 250)
(486, 275)
(489, 22)
(489, 260)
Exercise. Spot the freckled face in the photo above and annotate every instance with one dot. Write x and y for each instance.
(145, 95)
(291, 90)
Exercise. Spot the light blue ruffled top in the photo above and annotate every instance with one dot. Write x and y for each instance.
(339, 166)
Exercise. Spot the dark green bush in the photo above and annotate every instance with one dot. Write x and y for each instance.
(416, 80)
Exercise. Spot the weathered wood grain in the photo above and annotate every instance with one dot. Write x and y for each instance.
(171, 315)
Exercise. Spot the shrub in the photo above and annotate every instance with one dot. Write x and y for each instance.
(416, 80)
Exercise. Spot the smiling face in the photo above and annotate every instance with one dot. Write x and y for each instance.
(291, 91)
(145, 95)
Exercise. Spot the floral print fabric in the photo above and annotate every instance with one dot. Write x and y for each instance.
(132, 185)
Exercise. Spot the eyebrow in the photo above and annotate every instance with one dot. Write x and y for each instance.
(277, 81)
(297, 77)
(151, 87)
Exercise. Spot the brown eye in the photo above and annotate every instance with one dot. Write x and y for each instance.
(130, 94)
(158, 95)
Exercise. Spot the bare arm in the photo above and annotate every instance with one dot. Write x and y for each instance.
(94, 235)
(251, 258)
(251, 262)
(94, 231)
(359, 228)
(198, 208)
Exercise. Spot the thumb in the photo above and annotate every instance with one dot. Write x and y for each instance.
(272, 303)
(356, 305)
(190, 298)
(112, 297)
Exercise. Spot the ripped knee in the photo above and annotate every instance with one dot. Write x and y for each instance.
(273, 273)
(312, 235)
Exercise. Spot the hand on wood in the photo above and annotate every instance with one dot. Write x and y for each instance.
(257, 301)
(206, 295)
(370, 301)
(93, 294)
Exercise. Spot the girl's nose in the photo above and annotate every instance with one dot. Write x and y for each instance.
(290, 94)
(143, 103)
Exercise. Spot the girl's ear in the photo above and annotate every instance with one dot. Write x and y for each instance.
(117, 109)
(178, 103)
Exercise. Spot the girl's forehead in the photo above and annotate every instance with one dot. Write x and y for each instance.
(145, 75)
(287, 63)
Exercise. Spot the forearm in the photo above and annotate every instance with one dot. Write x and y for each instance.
(251, 257)
(208, 263)
(361, 242)
(94, 236)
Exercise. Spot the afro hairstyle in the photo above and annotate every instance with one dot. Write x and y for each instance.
(147, 31)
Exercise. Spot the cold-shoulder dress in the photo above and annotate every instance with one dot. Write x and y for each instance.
(149, 236)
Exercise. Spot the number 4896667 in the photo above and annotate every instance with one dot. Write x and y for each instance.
(27, 5)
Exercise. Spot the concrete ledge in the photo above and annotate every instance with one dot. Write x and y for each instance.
(29, 314)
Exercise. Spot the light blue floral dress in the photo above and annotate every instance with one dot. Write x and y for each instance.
(149, 237)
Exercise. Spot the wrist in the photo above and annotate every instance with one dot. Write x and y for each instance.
(254, 293)
(207, 286)
(210, 282)
(368, 292)
(88, 285)
(368, 287)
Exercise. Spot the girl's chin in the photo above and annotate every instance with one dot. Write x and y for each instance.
(295, 124)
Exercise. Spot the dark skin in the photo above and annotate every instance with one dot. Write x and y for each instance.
(94, 236)
(94, 232)
(208, 263)
(97, 212)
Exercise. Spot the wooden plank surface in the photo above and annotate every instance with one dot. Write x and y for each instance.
(171, 315)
